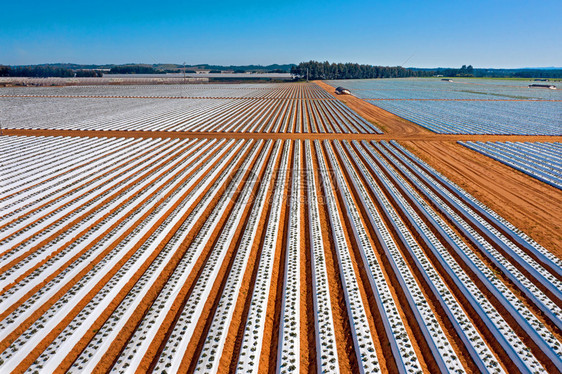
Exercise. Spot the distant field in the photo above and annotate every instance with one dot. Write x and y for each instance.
(466, 106)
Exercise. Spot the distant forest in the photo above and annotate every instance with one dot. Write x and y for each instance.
(316, 70)
(76, 70)
(38, 71)
(469, 71)
(326, 70)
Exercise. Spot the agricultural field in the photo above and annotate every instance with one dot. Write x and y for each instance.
(266, 108)
(220, 253)
(466, 106)
(539, 160)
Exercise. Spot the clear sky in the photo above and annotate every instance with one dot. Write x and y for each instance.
(430, 33)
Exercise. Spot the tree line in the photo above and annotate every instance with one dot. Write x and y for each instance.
(39, 71)
(134, 69)
(316, 70)
(464, 71)
(326, 70)
(469, 71)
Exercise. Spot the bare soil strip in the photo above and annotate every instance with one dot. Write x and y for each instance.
(395, 129)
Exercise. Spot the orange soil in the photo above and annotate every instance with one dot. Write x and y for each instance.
(268, 357)
(307, 326)
(81, 185)
(389, 123)
(77, 220)
(149, 361)
(530, 205)
(91, 195)
(477, 250)
(380, 339)
(405, 312)
(77, 255)
(475, 319)
(406, 315)
(195, 346)
(477, 322)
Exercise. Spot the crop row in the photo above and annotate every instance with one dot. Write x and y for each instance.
(542, 161)
(436, 89)
(221, 114)
(522, 110)
(263, 90)
(215, 255)
(480, 117)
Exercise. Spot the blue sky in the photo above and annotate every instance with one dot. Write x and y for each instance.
(492, 33)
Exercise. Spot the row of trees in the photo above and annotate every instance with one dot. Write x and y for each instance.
(134, 69)
(39, 71)
(469, 71)
(464, 71)
(316, 70)
(538, 73)
(326, 70)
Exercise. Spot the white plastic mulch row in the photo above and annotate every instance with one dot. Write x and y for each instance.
(289, 332)
(217, 335)
(361, 333)
(82, 322)
(149, 326)
(320, 114)
(326, 351)
(100, 344)
(534, 159)
(488, 311)
(185, 325)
